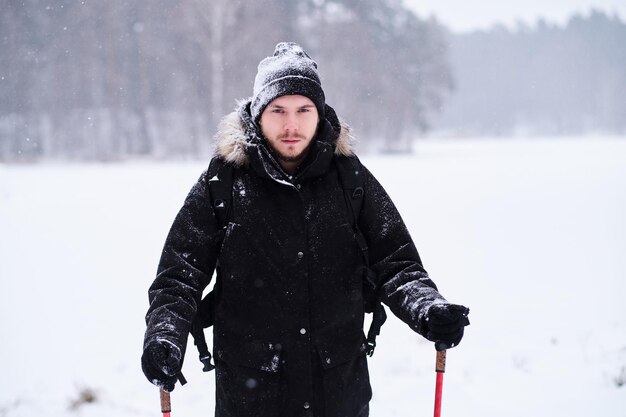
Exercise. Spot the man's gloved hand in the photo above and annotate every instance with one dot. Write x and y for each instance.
(445, 324)
(161, 363)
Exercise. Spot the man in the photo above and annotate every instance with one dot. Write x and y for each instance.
(289, 303)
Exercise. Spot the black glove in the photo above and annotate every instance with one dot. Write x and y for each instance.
(445, 324)
(161, 363)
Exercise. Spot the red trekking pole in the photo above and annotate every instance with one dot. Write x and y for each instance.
(166, 404)
(440, 369)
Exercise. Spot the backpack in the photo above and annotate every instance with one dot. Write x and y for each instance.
(352, 182)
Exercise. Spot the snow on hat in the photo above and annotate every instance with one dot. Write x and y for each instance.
(289, 71)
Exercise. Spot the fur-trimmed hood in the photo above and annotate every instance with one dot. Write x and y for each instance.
(237, 132)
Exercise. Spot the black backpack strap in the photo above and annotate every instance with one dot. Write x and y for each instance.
(220, 179)
(353, 184)
(379, 316)
(221, 189)
(352, 180)
(197, 332)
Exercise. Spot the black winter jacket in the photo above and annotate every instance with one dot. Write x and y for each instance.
(288, 332)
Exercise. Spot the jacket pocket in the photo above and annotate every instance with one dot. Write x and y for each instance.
(345, 377)
(263, 356)
(248, 380)
(333, 353)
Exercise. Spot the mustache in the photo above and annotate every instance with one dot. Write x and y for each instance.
(291, 135)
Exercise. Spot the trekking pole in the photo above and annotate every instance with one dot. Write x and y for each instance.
(440, 369)
(166, 404)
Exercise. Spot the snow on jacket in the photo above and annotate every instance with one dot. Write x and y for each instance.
(288, 332)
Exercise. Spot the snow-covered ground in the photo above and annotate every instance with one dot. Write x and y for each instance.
(531, 234)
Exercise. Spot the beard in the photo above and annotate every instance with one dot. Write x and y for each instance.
(294, 158)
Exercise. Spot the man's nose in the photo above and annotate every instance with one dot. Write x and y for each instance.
(291, 123)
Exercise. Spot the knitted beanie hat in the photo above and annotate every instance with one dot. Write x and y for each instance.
(289, 71)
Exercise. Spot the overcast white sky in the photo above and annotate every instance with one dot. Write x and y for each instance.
(459, 15)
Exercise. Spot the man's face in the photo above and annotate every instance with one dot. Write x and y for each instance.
(289, 124)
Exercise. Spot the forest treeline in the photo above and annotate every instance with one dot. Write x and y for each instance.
(91, 80)
(105, 80)
(540, 80)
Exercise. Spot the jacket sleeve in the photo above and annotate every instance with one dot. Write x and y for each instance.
(185, 269)
(402, 282)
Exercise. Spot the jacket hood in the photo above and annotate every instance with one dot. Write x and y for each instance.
(237, 133)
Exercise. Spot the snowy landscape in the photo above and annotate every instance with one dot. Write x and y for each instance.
(529, 233)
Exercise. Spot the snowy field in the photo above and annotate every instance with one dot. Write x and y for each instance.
(530, 234)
